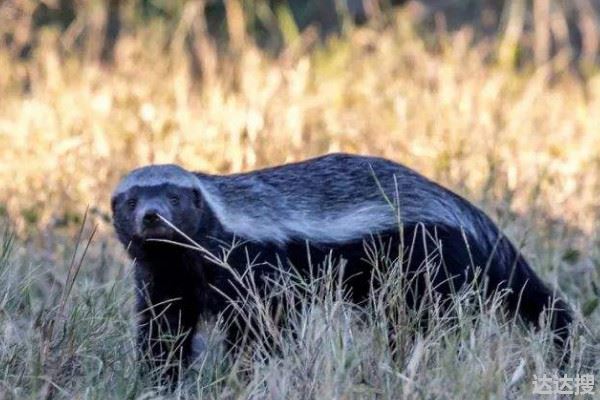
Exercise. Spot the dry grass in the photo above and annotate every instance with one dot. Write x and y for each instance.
(525, 146)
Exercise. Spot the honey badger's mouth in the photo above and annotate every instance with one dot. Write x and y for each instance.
(152, 225)
(157, 229)
(156, 232)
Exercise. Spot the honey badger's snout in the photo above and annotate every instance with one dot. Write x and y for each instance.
(148, 221)
(150, 218)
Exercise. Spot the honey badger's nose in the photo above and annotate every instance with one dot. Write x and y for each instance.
(150, 218)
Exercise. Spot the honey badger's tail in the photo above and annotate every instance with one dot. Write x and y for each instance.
(504, 269)
(533, 300)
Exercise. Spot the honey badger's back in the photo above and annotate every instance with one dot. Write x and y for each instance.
(339, 199)
(333, 203)
(335, 197)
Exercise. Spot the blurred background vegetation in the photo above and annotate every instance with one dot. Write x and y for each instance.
(497, 99)
(451, 87)
(530, 29)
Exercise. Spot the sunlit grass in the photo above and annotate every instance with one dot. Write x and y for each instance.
(450, 115)
(523, 145)
(62, 343)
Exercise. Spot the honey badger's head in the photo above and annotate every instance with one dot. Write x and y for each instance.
(147, 192)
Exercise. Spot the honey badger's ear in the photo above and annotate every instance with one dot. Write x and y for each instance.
(197, 198)
(113, 203)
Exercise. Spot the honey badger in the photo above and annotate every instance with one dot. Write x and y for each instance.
(326, 205)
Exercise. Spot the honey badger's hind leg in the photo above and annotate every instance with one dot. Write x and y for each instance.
(527, 296)
(442, 259)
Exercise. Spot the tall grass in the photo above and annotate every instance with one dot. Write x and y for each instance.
(78, 343)
(523, 144)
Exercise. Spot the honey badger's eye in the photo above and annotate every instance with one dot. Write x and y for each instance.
(173, 199)
(131, 203)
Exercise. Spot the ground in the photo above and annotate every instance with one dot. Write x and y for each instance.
(523, 144)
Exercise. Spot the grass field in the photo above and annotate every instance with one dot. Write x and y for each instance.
(522, 144)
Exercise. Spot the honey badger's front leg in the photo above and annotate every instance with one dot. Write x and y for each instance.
(168, 314)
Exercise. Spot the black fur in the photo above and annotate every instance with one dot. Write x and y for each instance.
(180, 285)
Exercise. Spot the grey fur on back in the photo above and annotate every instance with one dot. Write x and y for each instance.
(333, 198)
